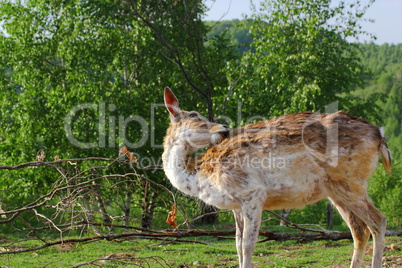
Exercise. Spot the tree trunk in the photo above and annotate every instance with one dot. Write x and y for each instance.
(127, 208)
(148, 206)
(284, 214)
(101, 205)
(330, 216)
(211, 218)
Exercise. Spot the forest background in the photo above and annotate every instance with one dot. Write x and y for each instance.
(83, 79)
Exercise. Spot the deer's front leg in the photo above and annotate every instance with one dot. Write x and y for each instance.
(252, 220)
(239, 234)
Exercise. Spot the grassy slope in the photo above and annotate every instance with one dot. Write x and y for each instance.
(221, 253)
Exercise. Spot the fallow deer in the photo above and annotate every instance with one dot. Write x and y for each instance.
(317, 156)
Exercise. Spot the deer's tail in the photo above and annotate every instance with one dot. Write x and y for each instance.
(385, 154)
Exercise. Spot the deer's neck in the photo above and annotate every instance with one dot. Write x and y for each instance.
(192, 181)
(175, 164)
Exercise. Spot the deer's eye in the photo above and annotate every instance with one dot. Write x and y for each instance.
(193, 115)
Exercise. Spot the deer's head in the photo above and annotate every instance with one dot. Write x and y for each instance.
(190, 128)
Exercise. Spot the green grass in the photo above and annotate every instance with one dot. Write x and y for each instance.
(216, 253)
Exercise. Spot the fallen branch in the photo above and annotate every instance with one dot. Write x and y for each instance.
(190, 233)
(303, 237)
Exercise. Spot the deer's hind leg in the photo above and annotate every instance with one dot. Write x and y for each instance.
(360, 233)
(361, 216)
(377, 224)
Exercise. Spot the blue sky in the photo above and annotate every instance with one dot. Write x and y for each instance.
(386, 13)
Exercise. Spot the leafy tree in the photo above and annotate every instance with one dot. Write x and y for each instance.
(301, 58)
(81, 78)
(72, 85)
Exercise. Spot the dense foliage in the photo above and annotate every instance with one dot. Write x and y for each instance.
(385, 64)
(83, 78)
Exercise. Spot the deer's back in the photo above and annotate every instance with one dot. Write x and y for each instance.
(307, 147)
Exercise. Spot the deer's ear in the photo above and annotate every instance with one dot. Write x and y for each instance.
(171, 103)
